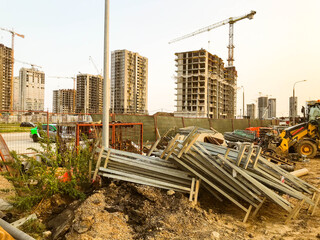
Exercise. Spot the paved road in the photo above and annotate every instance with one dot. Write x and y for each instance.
(20, 142)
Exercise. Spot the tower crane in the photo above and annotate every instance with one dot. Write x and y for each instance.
(95, 66)
(13, 34)
(74, 89)
(31, 64)
(229, 21)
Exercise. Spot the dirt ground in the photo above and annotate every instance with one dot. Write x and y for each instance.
(129, 211)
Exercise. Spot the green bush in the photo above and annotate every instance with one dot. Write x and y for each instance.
(43, 179)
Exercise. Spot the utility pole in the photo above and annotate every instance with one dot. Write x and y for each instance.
(106, 82)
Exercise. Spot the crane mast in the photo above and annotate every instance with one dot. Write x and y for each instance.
(229, 21)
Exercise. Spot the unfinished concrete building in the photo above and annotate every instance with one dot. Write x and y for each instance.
(272, 108)
(205, 87)
(5, 77)
(89, 93)
(251, 111)
(32, 86)
(129, 82)
(262, 107)
(64, 101)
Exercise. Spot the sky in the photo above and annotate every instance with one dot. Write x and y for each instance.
(275, 49)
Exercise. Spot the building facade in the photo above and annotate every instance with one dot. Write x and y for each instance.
(251, 111)
(64, 101)
(32, 86)
(262, 107)
(6, 80)
(205, 88)
(293, 107)
(89, 93)
(272, 108)
(129, 82)
(16, 93)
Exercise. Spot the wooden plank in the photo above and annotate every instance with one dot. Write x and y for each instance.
(196, 191)
(169, 145)
(107, 159)
(247, 214)
(315, 205)
(98, 164)
(275, 197)
(154, 146)
(258, 208)
(192, 189)
(210, 183)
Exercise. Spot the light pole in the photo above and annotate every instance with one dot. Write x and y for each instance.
(243, 102)
(106, 89)
(294, 102)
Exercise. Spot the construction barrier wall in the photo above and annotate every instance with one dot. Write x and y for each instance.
(164, 123)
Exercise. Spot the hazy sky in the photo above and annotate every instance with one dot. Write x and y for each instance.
(277, 48)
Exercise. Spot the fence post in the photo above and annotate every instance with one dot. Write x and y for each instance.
(183, 124)
(210, 123)
(249, 122)
(155, 125)
(48, 123)
(232, 124)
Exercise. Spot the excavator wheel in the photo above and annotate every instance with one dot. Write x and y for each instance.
(307, 148)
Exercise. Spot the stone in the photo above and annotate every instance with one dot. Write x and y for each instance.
(170, 192)
(46, 234)
(4, 205)
(215, 235)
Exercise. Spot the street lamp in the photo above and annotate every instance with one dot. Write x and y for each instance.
(242, 101)
(106, 82)
(294, 102)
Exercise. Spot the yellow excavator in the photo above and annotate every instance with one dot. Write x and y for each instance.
(303, 138)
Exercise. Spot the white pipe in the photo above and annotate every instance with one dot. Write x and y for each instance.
(106, 87)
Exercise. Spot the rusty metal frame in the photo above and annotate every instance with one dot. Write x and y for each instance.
(113, 136)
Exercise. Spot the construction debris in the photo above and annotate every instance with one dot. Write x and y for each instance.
(240, 136)
(244, 177)
(300, 172)
(151, 171)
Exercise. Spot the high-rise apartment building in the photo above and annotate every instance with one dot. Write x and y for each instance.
(63, 101)
(5, 77)
(251, 111)
(272, 108)
(129, 82)
(89, 93)
(32, 83)
(205, 87)
(16, 93)
(293, 107)
(262, 107)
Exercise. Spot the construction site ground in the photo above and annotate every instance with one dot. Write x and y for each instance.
(121, 210)
(127, 211)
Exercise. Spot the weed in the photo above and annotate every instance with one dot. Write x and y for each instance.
(34, 228)
(51, 172)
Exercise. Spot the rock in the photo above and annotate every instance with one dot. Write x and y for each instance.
(2, 214)
(21, 221)
(215, 235)
(61, 223)
(318, 235)
(250, 235)
(4, 205)
(83, 226)
(46, 234)
(170, 192)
